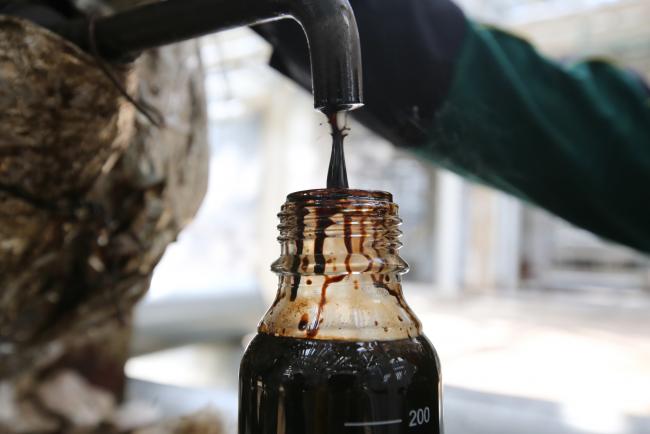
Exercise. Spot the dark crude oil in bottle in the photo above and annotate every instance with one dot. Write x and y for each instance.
(339, 351)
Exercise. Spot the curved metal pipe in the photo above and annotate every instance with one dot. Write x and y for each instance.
(329, 25)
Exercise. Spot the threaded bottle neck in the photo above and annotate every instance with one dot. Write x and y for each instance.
(332, 232)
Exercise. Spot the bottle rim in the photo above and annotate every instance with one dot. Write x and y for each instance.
(338, 194)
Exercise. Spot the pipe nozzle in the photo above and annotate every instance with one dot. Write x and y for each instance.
(329, 25)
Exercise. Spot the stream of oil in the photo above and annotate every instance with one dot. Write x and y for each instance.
(337, 175)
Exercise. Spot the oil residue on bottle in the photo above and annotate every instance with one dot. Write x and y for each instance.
(346, 239)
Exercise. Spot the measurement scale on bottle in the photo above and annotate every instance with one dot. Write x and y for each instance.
(418, 417)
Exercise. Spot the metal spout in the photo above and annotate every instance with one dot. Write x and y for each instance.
(329, 25)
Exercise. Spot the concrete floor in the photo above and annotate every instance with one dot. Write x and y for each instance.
(533, 363)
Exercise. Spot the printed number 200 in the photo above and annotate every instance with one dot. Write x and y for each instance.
(419, 416)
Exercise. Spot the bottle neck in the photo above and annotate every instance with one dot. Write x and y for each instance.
(339, 269)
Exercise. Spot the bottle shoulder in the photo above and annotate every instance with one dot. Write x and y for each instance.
(349, 307)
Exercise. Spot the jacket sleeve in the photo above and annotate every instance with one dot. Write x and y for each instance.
(574, 139)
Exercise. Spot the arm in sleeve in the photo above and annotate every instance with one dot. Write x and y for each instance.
(572, 139)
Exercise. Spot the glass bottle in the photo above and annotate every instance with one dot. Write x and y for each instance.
(339, 351)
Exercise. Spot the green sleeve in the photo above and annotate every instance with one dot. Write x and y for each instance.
(572, 139)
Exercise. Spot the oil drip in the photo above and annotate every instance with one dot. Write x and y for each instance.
(337, 175)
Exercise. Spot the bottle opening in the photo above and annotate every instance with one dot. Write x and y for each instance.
(342, 195)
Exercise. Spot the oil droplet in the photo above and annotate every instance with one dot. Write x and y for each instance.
(304, 320)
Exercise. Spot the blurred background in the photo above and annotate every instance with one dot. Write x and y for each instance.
(541, 327)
